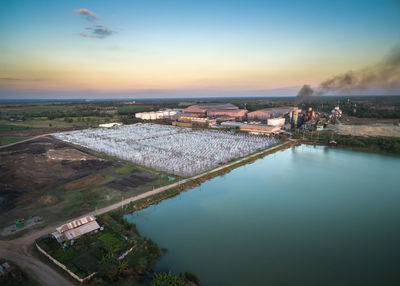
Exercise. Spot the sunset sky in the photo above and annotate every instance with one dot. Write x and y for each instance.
(188, 48)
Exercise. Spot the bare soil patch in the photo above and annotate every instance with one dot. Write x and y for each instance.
(84, 182)
(55, 180)
(133, 181)
(379, 129)
(29, 170)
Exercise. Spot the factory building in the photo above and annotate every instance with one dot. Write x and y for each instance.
(309, 114)
(231, 124)
(155, 115)
(280, 121)
(258, 115)
(110, 125)
(216, 110)
(76, 229)
(264, 114)
(239, 113)
(336, 114)
(192, 121)
(260, 128)
(294, 116)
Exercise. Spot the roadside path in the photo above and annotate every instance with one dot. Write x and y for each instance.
(17, 249)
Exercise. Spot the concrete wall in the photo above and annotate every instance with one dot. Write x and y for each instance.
(64, 267)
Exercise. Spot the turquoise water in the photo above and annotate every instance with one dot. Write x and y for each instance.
(303, 216)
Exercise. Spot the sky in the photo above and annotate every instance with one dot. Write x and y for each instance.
(148, 48)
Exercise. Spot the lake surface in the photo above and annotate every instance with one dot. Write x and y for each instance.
(304, 216)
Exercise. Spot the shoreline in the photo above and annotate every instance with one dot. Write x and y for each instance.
(140, 201)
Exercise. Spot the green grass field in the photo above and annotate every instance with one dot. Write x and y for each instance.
(9, 140)
(4, 127)
(35, 109)
(135, 108)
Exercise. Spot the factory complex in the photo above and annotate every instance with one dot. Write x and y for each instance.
(224, 115)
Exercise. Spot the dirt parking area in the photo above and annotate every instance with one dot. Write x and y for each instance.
(378, 129)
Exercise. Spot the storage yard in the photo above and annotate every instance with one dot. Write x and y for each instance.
(175, 150)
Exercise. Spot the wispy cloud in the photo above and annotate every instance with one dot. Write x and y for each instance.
(89, 15)
(98, 32)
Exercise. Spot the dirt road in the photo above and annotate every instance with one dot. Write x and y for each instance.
(15, 252)
(17, 249)
(26, 140)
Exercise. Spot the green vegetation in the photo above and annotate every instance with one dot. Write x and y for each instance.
(377, 144)
(9, 140)
(192, 277)
(99, 252)
(167, 279)
(129, 109)
(11, 127)
(85, 255)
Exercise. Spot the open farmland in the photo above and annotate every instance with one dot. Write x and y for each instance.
(175, 150)
(54, 180)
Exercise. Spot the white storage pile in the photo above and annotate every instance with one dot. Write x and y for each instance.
(176, 150)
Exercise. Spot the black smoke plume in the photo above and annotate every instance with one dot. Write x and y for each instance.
(305, 94)
(384, 77)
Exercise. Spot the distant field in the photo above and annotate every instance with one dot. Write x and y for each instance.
(34, 109)
(10, 127)
(135, 108)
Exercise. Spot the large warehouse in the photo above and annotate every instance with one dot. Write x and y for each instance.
(216, 110)
(264, 114)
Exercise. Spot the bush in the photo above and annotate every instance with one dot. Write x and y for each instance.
(192, 277)
(166, 279)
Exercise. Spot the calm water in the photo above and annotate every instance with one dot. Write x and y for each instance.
(304, 216)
